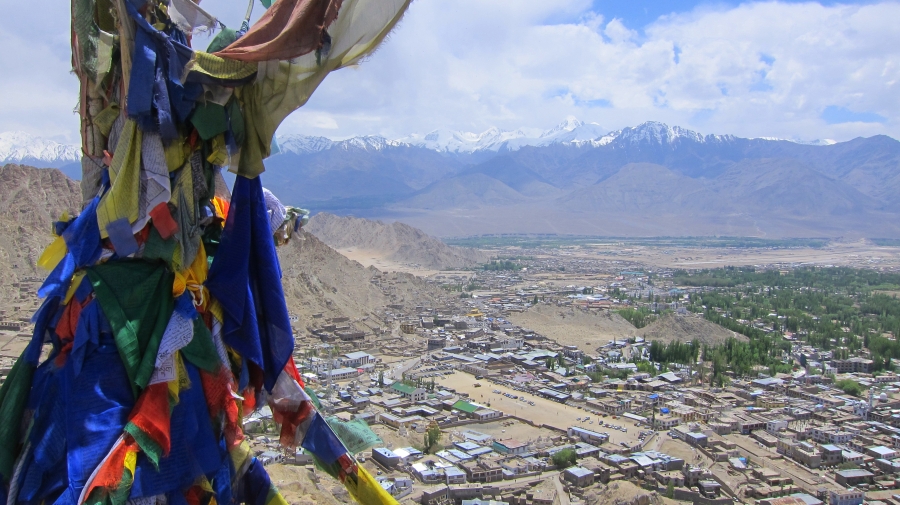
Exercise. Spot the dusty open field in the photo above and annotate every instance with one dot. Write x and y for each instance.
(858, 254)
(379, 260)
(855, 254)
(11, 345)
(543, 412)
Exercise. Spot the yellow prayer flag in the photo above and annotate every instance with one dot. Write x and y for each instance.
(368, 491)
(53, 254)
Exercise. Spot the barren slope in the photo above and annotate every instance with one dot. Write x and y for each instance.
(573, 326)
(30, 200)
(396, 241)
(318, 279)
(686, 328)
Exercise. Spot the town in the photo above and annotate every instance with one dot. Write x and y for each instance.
(463, 405)
(635, 383)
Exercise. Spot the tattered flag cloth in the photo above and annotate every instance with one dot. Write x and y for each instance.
(163, 319)
(246, 280)
(287, 30)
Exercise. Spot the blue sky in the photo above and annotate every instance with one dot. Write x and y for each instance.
(789, 69)
(640, 14)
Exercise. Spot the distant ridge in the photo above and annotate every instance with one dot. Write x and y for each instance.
(648, 180)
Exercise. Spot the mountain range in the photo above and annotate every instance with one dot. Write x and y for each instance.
(648, 180)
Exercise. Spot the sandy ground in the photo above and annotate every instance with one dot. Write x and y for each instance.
(502, 430)
(543, 412)
(856, 254)
(11, 345)
(378, 260)
(298, 488)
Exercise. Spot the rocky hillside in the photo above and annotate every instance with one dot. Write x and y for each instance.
(317, 279)
(30, 200)
(396, 241)
(686, 328)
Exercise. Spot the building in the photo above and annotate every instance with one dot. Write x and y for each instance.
(848, 497)
(882, 452)
(852, 365)
(806, 453)
(848, 456)
(831, 455)
(591, 437)
(486, 414)
(454, 475)
(775, 426)
(666, 422)
(407, 454)
(358, 359)
(510, 446)
(887, 466)
(385, 457)
(709, 488)
(483, 471)
(748, 423)
(850, 478)
(340, 374)
(412, 393)
(579, 476)
(830, 436)
(696, 438)
(465, 407)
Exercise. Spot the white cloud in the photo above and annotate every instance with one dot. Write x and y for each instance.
(759, 69)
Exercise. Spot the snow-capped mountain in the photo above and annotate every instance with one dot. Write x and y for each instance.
(491, 139)
(19, 147)
(655, 134)
(448, 141)
(817, 142)
(571, 131)
(494, 139)
(301, 144)
(23, 148)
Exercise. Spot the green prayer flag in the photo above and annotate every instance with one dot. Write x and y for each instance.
(13, 397)
(149, 446)
(136, 297)
(209, 119)
(157, 248)
(222, 40)
(201, 351)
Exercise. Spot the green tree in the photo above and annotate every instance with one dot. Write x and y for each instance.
(564, 458)
(432, 438)
(381, 379)
(670, 490)
(849, 386)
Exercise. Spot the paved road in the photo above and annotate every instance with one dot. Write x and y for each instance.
(397, 370)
